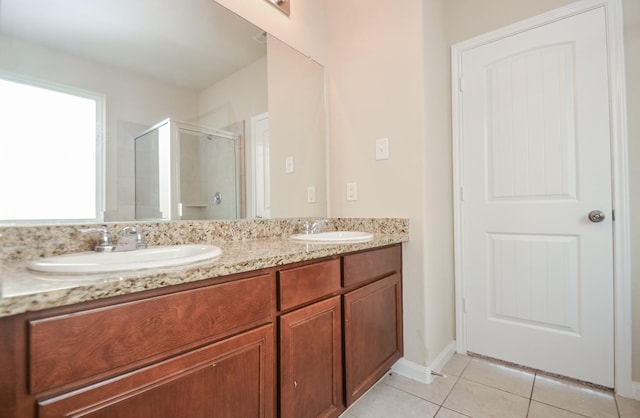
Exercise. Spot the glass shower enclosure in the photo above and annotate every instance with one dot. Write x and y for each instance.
(187, 172)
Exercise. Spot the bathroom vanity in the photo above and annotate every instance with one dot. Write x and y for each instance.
(294, 339)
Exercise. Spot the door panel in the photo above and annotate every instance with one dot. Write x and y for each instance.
(531, 96)
(538, 275)
(535, 280)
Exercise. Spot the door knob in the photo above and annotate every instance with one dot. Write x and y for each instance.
(596, 216)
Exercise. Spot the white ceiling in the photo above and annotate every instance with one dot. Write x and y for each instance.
(191, 43)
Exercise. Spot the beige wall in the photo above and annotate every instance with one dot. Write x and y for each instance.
(305, 29)
(237, 98)
(297, 129)
(381, 60)
(469, 18)
(387, 73)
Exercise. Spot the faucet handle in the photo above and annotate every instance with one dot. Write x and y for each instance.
(138, 232)
(140, 242)
(306, 227)
(317, 225)
(104, 243)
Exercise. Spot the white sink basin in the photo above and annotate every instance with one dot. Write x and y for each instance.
(333, 237)
(154, 257)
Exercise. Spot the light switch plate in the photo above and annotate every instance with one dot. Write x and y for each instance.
(288, 165)
(311, 194)
(382, 149)
(352, 191)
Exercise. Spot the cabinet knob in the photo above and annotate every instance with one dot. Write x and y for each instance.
(295, 384)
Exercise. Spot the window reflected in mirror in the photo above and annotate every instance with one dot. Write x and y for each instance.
(58, 130)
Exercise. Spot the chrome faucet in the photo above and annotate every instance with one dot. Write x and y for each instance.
(104, 244)
(313, 228)
(131, 238)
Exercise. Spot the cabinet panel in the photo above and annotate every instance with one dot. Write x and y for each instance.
(311, 361)
(231, 378)
(304, 284)
(373, 264)
(66, 348)
(372, 333)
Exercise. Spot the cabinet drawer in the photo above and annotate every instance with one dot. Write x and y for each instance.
(371, 265)
(303, 284)
(231, 378)
(67, 348)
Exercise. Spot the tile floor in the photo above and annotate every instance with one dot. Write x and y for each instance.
(474, 387)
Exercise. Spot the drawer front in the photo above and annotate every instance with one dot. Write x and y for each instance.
(371, 265)
(230, 378)
(68, 348)
(303, 284)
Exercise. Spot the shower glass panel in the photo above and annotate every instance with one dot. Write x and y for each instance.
(185, 172)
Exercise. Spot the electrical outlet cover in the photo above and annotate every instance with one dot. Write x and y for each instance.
(352, 191)
(288, 165)
(382, 149)
(311, 194)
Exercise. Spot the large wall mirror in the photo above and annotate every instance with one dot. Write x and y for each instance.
(250, 109)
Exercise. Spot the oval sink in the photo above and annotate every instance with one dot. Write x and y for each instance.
(333, 237)
(154, 257)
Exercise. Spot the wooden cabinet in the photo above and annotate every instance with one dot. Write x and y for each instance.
(372, 320)
(70, 348)
(197, 350)
(225, 379)
(300, 285)
(303, 340)
(372, 334)
(311, 341)
(311, 361)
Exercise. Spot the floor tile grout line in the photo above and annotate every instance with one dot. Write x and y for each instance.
(615, 399)
(493, 387)
(454, 385)
(448, 409)
(420, 397)
(497, 388)
(562, 409)
(408, 393)
(451, 390)
(533, 384)
(569, 381)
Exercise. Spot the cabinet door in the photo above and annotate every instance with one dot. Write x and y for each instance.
(372, 333)
(311, 361)
(231, 378)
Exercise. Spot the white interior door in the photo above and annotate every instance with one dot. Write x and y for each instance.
(535, 138)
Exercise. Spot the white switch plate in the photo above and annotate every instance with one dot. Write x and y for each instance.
(311, 194)
(382, 149)
(352, 191)
(288, 165)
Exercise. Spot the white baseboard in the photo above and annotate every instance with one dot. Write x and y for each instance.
(412, 370)
(445, 355)
(421, 373)
(635, 390)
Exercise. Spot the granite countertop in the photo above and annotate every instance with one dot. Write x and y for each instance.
(23, 291)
